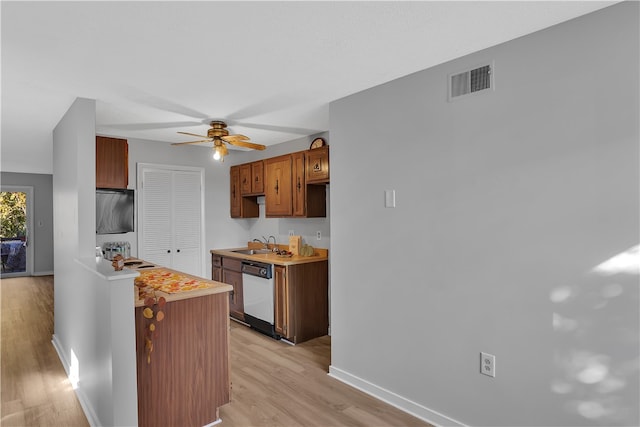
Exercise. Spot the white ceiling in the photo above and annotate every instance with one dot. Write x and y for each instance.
(269, 69)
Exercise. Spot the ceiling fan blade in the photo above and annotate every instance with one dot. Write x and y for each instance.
(237, 137)
(191, 142)
(194, 134)
(247, 145)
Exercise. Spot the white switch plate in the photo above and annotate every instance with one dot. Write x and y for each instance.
(488, 364)
(389, 198)
(318, 235)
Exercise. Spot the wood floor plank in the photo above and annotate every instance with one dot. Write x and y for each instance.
(273, 383)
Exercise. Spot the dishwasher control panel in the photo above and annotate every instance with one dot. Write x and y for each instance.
(258, 269)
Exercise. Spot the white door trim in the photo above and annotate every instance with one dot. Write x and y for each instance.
(28, 190)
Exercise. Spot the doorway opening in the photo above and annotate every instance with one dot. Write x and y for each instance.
(15, 226)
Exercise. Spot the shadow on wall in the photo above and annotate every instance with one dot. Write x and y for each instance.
(596, 325)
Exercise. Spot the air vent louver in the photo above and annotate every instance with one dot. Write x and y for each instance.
(470, 81)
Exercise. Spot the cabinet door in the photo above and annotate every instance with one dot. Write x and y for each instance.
(318, 165)
(257, 177)
(187, 223)
(216, 274)
(234, 192)
(112, 163)
(155, 230)
(236, 304)
(245, 179)
(299, 185)
(216, 268)
(278, 201)
(281, 302)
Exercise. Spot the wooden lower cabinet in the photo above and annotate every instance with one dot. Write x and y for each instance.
(216, 268)
(302, 301)
(187, 379)
(281, 301)
(232, 275)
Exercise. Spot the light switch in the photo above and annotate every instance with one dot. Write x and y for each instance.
(389, 198)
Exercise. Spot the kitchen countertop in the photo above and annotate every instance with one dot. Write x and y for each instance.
(272, 258)
(141, 291)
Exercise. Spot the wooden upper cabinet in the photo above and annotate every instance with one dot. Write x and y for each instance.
(245, 179)
(309, 201)
(240, 207)
(234, 191)
(257, 177)
(318, 165)
(278, 198)
(112, 163)
(299, 184)
(252, 178)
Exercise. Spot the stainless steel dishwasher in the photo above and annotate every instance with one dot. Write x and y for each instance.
(258, 295)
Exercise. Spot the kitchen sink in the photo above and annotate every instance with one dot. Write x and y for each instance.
(252, 251)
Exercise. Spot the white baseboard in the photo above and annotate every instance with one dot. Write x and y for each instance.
(82, 398)
(42, 273)
(393, 399)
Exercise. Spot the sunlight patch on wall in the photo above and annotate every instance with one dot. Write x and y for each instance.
(74, 370)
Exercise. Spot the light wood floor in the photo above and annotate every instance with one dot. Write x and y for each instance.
(273, 383)
(35, 388)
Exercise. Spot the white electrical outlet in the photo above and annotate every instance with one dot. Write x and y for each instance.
(291, 233)
(318, 235)
(488, 364)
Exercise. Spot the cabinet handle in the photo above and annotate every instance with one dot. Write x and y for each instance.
(234, 191)
(178, 250)
(168, 251)
(257, 178)
(298, 184)
(277, 186)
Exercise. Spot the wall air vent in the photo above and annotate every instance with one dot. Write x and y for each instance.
(470, 81)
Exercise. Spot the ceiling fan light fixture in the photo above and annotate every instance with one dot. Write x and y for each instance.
(219, 153)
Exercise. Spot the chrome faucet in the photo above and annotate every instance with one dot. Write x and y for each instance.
(275, 244)
(264, 241)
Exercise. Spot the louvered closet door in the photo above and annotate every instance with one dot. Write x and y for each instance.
(171, 228)
(156, 235)
(187, 209)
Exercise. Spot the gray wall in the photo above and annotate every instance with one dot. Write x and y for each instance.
(42, 233)
(508, 203)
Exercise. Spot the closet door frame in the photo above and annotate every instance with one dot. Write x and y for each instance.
(141, 168)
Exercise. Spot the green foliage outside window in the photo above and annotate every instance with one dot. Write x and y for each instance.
(13, 214)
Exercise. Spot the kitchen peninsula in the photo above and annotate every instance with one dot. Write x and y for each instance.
(182, 348)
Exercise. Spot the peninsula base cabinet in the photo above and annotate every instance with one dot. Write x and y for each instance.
(302, 301)
(186, 378)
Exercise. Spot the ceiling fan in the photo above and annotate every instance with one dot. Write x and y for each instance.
(219, 134)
